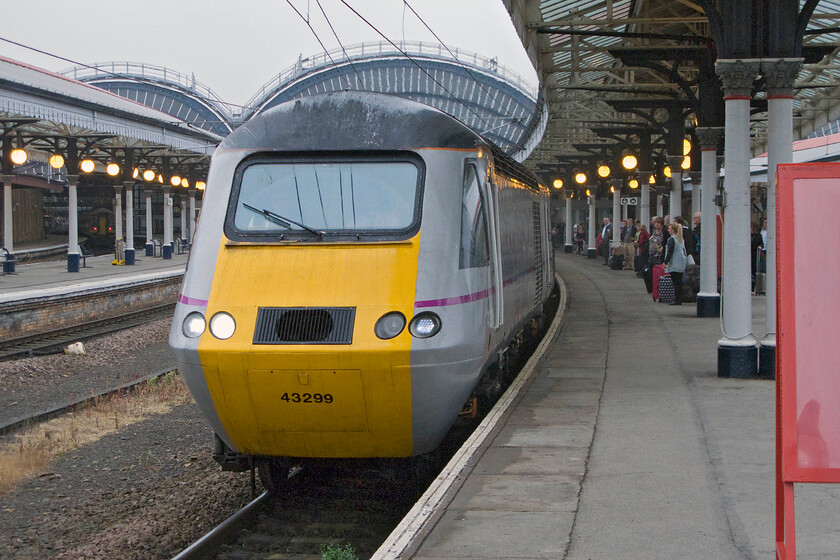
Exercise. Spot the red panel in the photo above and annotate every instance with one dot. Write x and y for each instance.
(808, 310)
(719, 225)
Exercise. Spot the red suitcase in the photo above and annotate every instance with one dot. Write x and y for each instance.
(657, 271)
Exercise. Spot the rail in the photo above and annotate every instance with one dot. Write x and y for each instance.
(208, 545)
(358, 501)
(55, 411)
(41, 343)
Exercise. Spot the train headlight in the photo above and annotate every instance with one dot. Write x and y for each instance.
(424, 325)
(193, 325)
(222, 325)
(389, 325)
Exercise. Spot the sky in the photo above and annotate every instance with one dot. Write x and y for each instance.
(236, 47)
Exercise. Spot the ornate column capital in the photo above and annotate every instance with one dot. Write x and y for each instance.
(709, 136)
(118, 188)
(72, 179)
(780, 74)
(675, 163)
(129, 185)
(737, 74)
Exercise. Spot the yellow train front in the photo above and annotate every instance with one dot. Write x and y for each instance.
(359, 264)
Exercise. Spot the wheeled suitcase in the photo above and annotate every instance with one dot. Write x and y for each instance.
(667, 294)
(760, 283)
(658, 270)
(638, 263)
(647, 274)
(616, 262)
(690, 283)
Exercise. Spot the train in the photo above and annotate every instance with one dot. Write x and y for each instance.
(362, 264)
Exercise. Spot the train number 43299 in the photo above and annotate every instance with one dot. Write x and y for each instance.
(325, 398)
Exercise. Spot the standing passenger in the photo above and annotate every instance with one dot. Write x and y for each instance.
(688, 236)
(697, 220)
(756, 248)
(657, 241)
(643, 246)
(628, 239)
(580, 239)
(675, 260)
(606, 235)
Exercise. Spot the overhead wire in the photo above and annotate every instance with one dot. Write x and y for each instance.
(353, 66)
(306, 20)
(102, 70)
(468, 70)
(464, 66)
(403, 24)
(317, 38)
(406, 55)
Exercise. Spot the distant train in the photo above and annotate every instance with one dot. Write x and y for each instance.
(361, 266)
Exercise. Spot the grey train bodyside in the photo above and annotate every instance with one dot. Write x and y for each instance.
(478, 334)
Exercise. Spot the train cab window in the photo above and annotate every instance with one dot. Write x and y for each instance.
(475, 247)
(325, 198)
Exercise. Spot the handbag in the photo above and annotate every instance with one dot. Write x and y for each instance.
(689, 260)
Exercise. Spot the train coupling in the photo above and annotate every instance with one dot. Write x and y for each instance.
(229, 459)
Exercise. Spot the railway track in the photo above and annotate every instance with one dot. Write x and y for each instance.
(52, 341)
(330, 502)
(47, 414)
(335, 502)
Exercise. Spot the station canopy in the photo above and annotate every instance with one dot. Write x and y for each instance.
(59, 122)
(598, 60)
(491, 99)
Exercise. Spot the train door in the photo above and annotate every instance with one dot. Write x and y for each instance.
(480, 247)
(548, 247)
(497, 314)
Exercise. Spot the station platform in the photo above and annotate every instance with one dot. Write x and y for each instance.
(621, 442)
(39, 279)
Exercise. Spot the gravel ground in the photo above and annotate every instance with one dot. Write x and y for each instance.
(145, 492)
(30, 385)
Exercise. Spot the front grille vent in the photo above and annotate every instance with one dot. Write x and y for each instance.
(305, 325)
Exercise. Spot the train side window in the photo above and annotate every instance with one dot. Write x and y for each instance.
(475, 247)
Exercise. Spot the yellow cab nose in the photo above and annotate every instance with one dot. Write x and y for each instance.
(280, 387)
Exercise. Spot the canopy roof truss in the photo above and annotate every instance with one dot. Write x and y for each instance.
(590, 52)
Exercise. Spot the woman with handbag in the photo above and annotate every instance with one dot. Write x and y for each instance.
(657, 238)
(675, 260)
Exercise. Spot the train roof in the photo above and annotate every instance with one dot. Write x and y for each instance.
(509, 167)
(352, 120)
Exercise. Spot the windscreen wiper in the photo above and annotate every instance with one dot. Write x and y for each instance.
(282, 220)
(270, 216)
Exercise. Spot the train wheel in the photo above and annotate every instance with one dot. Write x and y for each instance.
(274, 474)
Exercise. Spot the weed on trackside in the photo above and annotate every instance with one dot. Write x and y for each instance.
(335, 552)
(31, 449)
